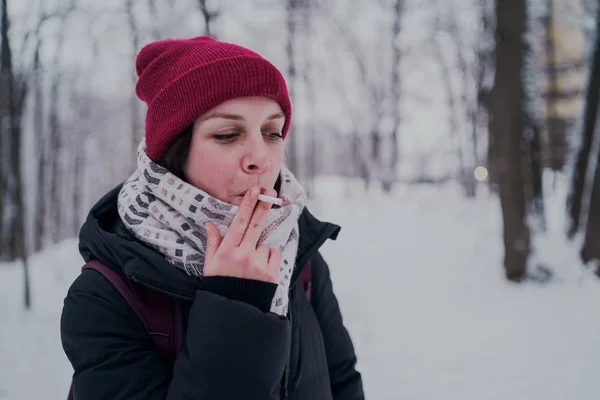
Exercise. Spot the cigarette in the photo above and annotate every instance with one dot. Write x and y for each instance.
(269, 199)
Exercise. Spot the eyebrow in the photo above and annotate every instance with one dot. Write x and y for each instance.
(235, 117)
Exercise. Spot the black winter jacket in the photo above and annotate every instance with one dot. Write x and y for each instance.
(232, 347)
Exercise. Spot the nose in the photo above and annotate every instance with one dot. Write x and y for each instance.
(256, 160)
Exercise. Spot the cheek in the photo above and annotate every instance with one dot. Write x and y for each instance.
(207, 168)
(276, 160)
(277, 154)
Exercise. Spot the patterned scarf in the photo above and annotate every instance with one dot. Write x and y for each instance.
(169, 215)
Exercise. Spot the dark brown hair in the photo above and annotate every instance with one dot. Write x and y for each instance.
(175, 157)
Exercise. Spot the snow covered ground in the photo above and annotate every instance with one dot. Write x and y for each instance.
(419, 278)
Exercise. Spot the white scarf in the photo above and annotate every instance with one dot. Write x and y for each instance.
(170, 214)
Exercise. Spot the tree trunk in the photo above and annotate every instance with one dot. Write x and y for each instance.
(534, 166)
(591, 245)
(78, 175)
(56, 151)
(311, 100)
(453, 115)
(375, 146)
(14, 99)
(134, 106)
(39, 220)
(3, 183)
(578, 181)
(291, 142)
(358, 163)
(507, 128)
(209, 17)
(55, 157)
(19, 233)
(534, 149)
(484, 68)
(478, 108)
(6, 115)
(468, 97)
(81, 105)
(390, 177)
(154, 16)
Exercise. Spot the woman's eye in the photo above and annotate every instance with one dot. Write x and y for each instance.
(275, 136)
(225, 137)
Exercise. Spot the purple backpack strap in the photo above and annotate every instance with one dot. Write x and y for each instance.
(305, 279)
(160, 314)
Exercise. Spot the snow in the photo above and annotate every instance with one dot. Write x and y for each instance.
(420, 282)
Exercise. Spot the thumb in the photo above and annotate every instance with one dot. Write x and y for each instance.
(213, 240)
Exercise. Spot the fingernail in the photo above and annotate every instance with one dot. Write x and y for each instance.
(255, 192)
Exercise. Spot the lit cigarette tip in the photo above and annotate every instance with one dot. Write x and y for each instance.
(270, 199)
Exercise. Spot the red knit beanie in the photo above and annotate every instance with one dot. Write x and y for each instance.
(181, 79)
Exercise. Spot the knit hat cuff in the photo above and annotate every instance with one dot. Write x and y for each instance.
(193, 93)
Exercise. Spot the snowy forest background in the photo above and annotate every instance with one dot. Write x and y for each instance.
(466, 127)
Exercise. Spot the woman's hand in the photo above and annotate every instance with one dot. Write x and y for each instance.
(237, 254)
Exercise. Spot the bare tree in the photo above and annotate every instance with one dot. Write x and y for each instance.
(452, 98)
(375, 84)
(209, 16)
(533, 174)
(464, 82)
(588, 130)
(507, 127)
(591, 246)
(6, 125)
(44, 154)
(134, 105)
(396, 89)
(534, 166)
(11, 113)
(57, 148)
(483, 69)
(308, 80)
(41, 151)
(154, 16)
(292, 7)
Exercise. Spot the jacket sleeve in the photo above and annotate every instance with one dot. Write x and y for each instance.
(231, 349)
(346, 381)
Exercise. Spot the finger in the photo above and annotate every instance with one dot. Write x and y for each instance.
(240, 222)
(213, 241)
(257, 222)
(274, 264)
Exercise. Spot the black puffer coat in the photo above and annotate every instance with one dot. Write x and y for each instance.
(232, 349)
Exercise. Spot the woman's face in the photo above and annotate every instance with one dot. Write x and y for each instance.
(236, 145)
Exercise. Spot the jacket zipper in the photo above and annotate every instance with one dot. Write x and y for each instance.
(284, 383)
(286, 373)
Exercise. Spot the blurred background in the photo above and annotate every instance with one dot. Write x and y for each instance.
(456, 143)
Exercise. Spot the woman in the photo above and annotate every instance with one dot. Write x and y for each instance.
(188, 224)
